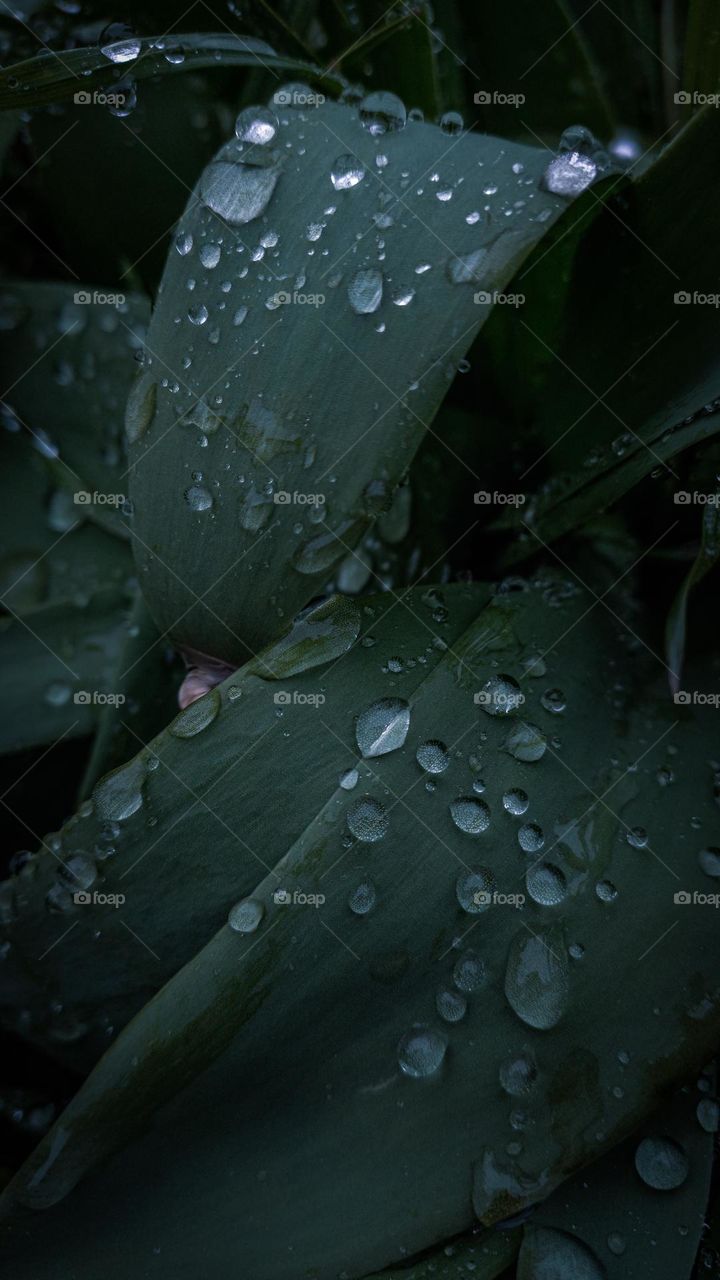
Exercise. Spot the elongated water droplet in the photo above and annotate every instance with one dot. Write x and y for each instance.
(197, 716)
(120, 794)
(365, 291)
(537, 977)
(140, 407)
(122, 50)
(383, 727)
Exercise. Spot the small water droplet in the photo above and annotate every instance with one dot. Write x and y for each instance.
(470, 815)
(367, 820)
(421, 1052)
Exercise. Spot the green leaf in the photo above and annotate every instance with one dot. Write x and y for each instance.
(66, 368)
(50, 78)
(224, 1049)
(295, 420)
(706, 559)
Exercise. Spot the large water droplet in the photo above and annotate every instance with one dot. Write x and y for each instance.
(320, 633)
(470, 815)
(474, 890)
(433, 756)
(500, 696)
(421, 1051)
(515, 801)
(661, 1163)
(537, 977)
(365, 291)
(569, 174)
(140, 407)
(245, 916)
(547, 1254)
(526, 742)
(198, 498)
(382, 112)
(119, 51)
(256, 125)
(546, 885)
(238, 193)
(347, 172)
(383, 727)
(197, 716)
(367, 820)
(119, 794)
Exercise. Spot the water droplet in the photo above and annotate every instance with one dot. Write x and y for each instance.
(500, 696)
(515, 801)
(546, 885)
(553, 700)
(238, 193)
(210, 256)
(382, 113)
(606, 891)
(403, 296)
(321, 553)
(469, 972)
(661, 1163)
(637, 837)
(616, 1243)
(537, 977)
(365, 291)
(708, 1114)
(197, 716)
(474, 890)
(530, 837)
(433, 756)
(466, 269)
(245, 916)
(119, 794)
(198, 498)
(256, 125)
(452, 123)
(421, 1052)
(383, 727)
(79, 872)
(122, 50)
(140, 408)
(526, 742)
(569, 174)
(451, 1005)
(470, 815)
(367, 820)
(547, 1254)
(199, 314)
(349, 779)
(183, 243)
(362, 898)
(709, 860)
(519, 1074)
(58, 694)
(347, 172)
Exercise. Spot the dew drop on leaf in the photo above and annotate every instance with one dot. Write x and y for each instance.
(383, 727)
(421, 1052)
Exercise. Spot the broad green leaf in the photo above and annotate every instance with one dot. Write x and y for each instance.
(49, 78)
(223, 1062)
(706, 559)
(284, 395)
(66, 367)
